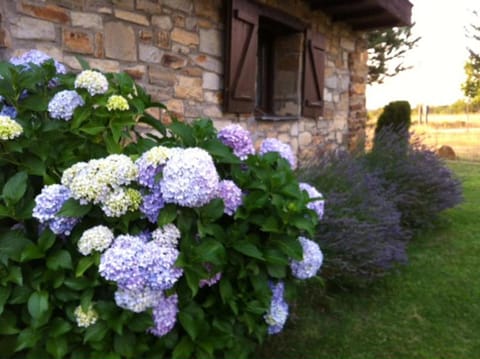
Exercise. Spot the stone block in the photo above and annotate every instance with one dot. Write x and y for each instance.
(120, 42)
(211, 81)
(182, 5)
(149, 6)
(46, 12)
(137, 71)
(208, 63)
(162, 22)
(149, 53)
(102, 65)
(163, 39)
(173, 61)
(189, 88)
(132, 17)
(347, 44)
(4, 39)
(32, 29)
(160, 76)
(184, 37)
(145, 36)
(87, 20)
(211, 42)
(179, 20)
(211, 10)
(78, 41)
(180, 49)
(175, 106)
(192, 71)
(212, 111)
(213, 97)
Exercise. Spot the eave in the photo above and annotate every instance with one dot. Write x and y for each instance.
(366, 14)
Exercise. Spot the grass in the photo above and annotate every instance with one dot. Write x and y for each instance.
(428, 309)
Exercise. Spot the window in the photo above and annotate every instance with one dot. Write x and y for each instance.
(274, 64)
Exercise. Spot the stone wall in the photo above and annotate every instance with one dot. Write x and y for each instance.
(175, 49)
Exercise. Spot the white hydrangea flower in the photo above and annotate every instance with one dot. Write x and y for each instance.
(120, 201)
(9, 129)
(85, 319)
(93, 81)
(96, 238)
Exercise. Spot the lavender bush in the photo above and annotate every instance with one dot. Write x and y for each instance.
(361, 233)
(417, 181)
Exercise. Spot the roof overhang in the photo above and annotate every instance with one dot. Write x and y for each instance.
(366, 14)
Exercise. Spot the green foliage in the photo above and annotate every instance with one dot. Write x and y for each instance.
(471, 86)
(44, 278)
(386, 51)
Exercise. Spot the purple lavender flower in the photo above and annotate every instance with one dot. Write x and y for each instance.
(311, 262)
(231, 195)
(190, 178)
(63, 104)
(48, 203)
(36, 57)
(319, 204)
(152, 204)
(237, 138)
(278, 311)
(283, 149)
(165, 315)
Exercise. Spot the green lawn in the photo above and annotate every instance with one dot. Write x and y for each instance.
(428, 309)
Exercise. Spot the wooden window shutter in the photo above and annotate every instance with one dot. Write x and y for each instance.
(314, 74)
(241, 56)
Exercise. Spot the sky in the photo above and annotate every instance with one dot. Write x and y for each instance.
(437, 60)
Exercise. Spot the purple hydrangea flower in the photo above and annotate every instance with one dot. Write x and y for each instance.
(119, 263)
(150, 165)
(311, 262)
(36, 57)
(231, 195)
(317, 205)
(152, 204)
(63, 104)
(190, 178)
(48, 203)
(278, 311)
(165, 315)
(137, 265)
(283, 149)
(237, 138)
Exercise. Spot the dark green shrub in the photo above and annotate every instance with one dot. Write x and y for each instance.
(396, 115)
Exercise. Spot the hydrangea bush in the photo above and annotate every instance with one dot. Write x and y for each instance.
(115, 245)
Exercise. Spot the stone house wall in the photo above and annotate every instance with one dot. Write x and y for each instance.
(175, 49)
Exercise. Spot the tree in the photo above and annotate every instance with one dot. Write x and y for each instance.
(471, 86)
(386, 52)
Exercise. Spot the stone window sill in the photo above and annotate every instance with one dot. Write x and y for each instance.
(276, 118)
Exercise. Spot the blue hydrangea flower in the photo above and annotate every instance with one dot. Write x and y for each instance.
(63, 104)
(214, 278)
(190, 178)
(278, 312)
(237, 138)
(48, 203)
(36, 57)
(311, 262)
(231, 195)
(319, 204)
(283, 149)
(165, 315)
(9, 111)
(167, 236)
